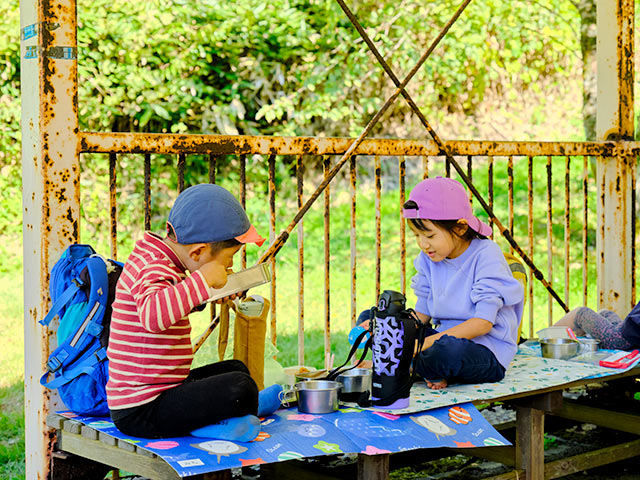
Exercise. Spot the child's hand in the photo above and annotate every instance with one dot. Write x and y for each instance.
(214, 273)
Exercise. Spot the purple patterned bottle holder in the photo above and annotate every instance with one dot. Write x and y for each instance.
(388, 343)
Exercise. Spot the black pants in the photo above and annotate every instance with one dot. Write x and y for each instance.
(209, 394)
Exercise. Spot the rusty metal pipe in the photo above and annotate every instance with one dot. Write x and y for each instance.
(443, 149)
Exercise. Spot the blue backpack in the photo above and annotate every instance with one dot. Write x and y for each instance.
(82, 287)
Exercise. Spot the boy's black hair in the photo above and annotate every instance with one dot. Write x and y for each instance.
(214, 247)
(448, 225)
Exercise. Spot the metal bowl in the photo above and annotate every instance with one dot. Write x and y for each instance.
(589, 345)
(561, 348)
(356, 380)
(317, 396)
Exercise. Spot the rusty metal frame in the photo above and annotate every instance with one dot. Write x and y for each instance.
(52, 144)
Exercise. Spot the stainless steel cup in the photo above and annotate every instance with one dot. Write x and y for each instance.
(589, 345)
(560, 348)
(317, 396)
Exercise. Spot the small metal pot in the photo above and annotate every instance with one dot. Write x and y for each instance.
(317, 396)
(589, 345)
(355, 382)
(560, 348)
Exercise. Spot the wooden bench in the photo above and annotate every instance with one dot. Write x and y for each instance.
(526, 457)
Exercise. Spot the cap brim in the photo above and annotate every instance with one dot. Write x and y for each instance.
(251, 236)
(480, 227)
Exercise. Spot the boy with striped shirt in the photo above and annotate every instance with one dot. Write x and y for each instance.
(152, 391)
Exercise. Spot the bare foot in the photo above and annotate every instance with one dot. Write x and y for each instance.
(365, 364)
(439, 385)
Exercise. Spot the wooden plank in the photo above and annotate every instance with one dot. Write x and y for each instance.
(512, 475)
(634, 372)
(88, 432)
(547, 402)
(124, 445)
(144, 452)
(623, 422)
(530, 442)
(292, 470)
(373, 467)
(107, 439)
(505, 455)
(71, 426)
(111, 455)
(54, 420)
(596, 458)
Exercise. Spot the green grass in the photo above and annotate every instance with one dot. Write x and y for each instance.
(11, 367)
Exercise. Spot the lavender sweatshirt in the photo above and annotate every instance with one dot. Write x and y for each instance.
(479, 284)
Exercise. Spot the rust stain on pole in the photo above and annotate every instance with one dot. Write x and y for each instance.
(182, 159)
(300, 190)
(530, 237)
(113, 206)
(147, 192)
(549, 236)
(378, 187)
(403, 245)
(165, 143)
(510, 195)
(272, 233)
(326, 165)
(567, 226)
(585, 226)
(242, 159)
(352, 238)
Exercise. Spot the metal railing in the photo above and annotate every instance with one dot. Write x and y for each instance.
(544, 218)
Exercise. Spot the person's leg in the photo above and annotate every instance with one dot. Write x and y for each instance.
(217, 368)
(610, 315)
(458, 360)
(601, 328)
(194, 404)
(569, 320)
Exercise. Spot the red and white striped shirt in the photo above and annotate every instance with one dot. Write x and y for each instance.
(150, 341)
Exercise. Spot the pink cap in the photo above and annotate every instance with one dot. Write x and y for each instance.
(443, 198)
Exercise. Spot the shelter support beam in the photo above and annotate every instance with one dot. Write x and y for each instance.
(614, 121)
(51, 195)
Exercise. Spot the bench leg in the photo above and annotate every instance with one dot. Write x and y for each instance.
(530, 442)
(373, 467)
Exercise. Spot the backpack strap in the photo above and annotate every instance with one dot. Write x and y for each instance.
(62, 300)
(85, 366)
(91, 324)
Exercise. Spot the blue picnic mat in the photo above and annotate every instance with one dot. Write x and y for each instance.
(289, 435)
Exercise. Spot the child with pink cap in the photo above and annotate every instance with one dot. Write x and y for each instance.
(467, 297)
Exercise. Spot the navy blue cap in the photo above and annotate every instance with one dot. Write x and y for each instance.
(208, 213)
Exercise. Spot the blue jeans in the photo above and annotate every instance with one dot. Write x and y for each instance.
(458, 360)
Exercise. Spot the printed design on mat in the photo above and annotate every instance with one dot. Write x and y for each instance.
(327, 447)
(459, 415)
(365, 429)
(311, 430)
(290, 455)
(162, 445)
(493, 442)
(388, 339)
(434, 425)
(220, 448)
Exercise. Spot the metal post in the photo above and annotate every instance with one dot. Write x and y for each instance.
(50, 192)
(615, 23)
